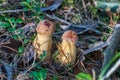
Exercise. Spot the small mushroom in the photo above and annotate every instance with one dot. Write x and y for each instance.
(66, 54)
(43, 41)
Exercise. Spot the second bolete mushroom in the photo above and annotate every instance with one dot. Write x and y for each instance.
(43, 41)
(67, 49)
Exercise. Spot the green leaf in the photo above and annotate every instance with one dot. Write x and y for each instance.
(43, 55)
(21, 36)
(19, 20)
(24, 3)
(38, 66)
(14, 24)
(42, 17)
(84, 76)
(12, 20)
(25, 41)
(70, 1)
(37, 9)
(43, 74)
(20, 31)
(117, 56)
(4, 24)
(25, 8)
(6, 19)
(15, 36)
(21, 49)
(39, 75)
(11, 29)
(28, 1)
(55, 77)
(35, 75)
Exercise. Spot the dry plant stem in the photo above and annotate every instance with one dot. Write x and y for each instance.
(57, 18)
(12, 11)
(4, 43)
(42, 2)
(99, 47)
(111, 49)
(80, 16)
(94, 76)
(86, 27)
(112, 22)
(9, 71)
(15, 60)
(84, 67)
(3, 3)
(85, 10)
(2, 77)
(31, 66)
(10, 48)
(55, 5)
(93, 3)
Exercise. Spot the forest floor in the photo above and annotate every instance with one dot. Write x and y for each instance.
(94, 26)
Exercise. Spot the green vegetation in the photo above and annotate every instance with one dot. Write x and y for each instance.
(15, 14)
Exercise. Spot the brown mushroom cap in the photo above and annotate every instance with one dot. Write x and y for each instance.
(45, 27)
(70, 36)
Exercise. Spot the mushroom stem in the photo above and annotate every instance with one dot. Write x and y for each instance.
(67, 49)
(43, 40)
(43, 43)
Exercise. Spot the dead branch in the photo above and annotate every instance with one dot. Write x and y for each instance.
(58, 19)
(71, 26)
(99, 47)
(12, 11)
(54, 6)
(111, 49)
(8, 69)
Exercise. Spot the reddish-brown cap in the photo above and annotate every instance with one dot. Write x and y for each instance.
(70, 36)
(45, 27)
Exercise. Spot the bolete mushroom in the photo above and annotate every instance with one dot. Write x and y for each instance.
(43, 41)
(66, 54)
